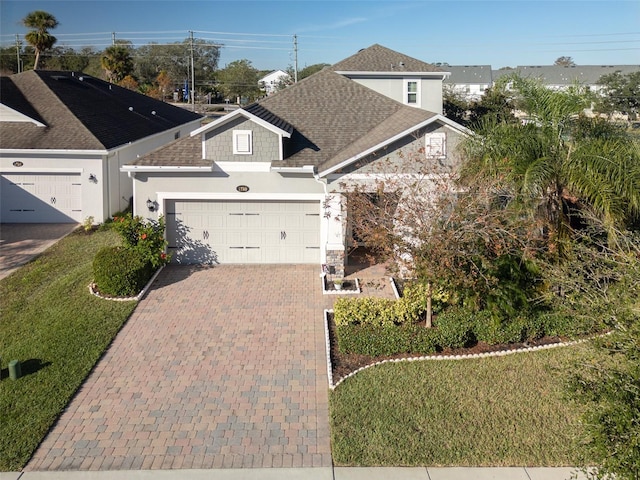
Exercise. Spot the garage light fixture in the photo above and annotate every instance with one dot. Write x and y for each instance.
(151, 205)
(93, 178)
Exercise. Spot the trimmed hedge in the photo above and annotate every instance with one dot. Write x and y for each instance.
(386, 340)
(121, 272)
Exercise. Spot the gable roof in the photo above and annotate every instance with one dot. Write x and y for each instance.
(81, 112)
(377, 58)
(330, 113)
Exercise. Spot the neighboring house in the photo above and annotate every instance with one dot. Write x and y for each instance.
(266, 183)
(64, 137)
(558, 77)
(470, 81)
(271, 82)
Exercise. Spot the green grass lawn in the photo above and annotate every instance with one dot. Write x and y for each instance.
(503, 411)
(58, 330)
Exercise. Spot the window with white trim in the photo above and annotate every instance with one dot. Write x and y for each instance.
(242, 142)
(435, 145)
(412, 92)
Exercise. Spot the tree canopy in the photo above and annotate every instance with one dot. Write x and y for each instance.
(239, 79)
(40, 38)
(117, 62)
(620, 93)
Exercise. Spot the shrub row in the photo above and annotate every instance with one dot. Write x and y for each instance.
(454, 328)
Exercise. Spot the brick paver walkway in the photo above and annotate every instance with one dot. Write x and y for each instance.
(219, 367)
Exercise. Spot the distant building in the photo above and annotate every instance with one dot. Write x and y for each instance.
(471, 81)
(269, 83)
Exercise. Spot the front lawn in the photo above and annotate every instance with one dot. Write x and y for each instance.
(502, 411)
(58, 330)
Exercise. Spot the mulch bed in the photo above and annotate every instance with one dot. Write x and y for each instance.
(342, 364)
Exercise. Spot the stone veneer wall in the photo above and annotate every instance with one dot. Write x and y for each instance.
(335, 262)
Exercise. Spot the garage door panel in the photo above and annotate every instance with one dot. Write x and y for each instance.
(41, 198)
(245, 232)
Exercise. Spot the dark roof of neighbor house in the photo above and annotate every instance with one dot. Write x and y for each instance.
(81, 112)
(377, 58)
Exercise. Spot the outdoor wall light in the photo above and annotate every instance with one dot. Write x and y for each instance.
(151, 205)
(93, 178)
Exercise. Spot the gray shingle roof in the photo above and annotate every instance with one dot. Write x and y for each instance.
(377, 58)
(468, 74)
(183, 152)
(81, 112)
(334, 116)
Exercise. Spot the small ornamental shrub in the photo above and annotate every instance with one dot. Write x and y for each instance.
(494, 330)
(455, 328)
(146, 238)
(120, 271)
(365, 311)
(386, 340)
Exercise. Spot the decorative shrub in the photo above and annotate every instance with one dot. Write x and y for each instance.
(493, 330)
(366, 339)
(455, 328)
(145, 237)
(120, 271)
(365, 311)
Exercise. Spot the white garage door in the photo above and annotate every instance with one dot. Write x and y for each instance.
(41, 198)
(243, 232)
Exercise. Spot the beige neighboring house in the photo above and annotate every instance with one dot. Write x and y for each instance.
(265, 184)
(270, 82)
(64, 137)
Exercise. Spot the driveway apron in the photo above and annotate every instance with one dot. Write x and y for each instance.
(220, 367)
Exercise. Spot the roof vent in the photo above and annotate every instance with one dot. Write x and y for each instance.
(81, 78)
(131, 109)
(153, 112)
(401, 64)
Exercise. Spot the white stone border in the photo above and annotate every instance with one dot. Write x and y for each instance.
(500, 353)
(138, 297)
(394, 287)
(323, 279)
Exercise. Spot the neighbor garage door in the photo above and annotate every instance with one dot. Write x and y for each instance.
(243, 232)
(40, 198)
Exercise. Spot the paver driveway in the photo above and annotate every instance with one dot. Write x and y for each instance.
(217, 367)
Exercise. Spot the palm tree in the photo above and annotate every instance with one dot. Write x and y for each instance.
(117, 62)
(40, 38)
(557, 164)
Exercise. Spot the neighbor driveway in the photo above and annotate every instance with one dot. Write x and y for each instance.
(217, 367)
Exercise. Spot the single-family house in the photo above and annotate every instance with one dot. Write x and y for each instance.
(470, 81)
(269, 182)
(64, 137)
(272, 81)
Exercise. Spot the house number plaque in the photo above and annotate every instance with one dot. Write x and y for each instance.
(242, 188)
(18, 164)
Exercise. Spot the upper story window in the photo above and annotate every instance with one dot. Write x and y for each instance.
(412, 92)
(242, 142)
(435, 145)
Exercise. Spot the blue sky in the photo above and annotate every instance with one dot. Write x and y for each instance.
(473, 32)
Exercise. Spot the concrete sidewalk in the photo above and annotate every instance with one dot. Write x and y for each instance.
(320, 473)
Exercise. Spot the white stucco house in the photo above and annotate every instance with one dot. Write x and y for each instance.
(270, 82)
(64, 137)
(266, 183)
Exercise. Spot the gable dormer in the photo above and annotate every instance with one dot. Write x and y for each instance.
(252, 136)
(397, 76)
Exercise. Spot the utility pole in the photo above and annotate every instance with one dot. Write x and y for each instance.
(18, 52)
(295, 58)
(113, 38)
(193, 78)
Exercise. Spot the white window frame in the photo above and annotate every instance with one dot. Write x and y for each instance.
(406, 92)
(435, 145)
(238, 136)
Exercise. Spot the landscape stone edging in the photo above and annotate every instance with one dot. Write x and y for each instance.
(501, 353)
(138, 297)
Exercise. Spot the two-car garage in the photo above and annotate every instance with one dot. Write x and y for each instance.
(231, 231)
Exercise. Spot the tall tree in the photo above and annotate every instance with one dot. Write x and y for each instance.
(239, 79)
(40, 38)
(620, 93)
(564, 62)
(555, 166)
(117, 62)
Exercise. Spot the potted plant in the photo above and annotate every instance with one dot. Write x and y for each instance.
(337, 283)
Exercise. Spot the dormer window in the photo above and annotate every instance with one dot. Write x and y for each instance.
(412, 92)
(242, 142)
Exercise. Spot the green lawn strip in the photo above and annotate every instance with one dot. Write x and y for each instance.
(501, 411)
(58, 330)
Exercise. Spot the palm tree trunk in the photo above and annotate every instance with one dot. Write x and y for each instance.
(37, 60)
